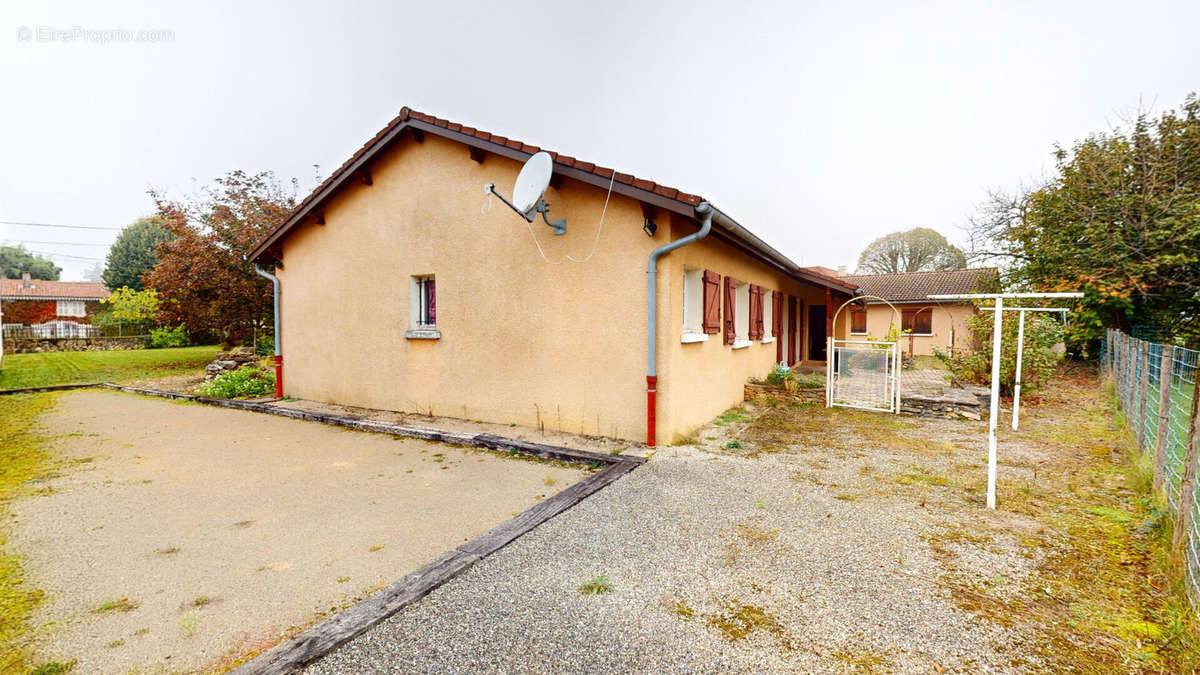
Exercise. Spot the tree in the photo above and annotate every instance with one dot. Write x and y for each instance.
(133, 253)
(15, 259)
(917, 250)
(126, 304)
(203, 279)
(95, 273)
(1120, 221)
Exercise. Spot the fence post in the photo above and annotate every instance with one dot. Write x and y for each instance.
(1165, 368)
(1131, 372)
(1143, 390)
(1187, 486)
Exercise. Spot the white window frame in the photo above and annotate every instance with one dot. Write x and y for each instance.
(418, 330)
(70, 308)
(768, 316)
(693, 305)
(741, 316)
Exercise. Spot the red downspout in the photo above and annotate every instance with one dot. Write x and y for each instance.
(278, 377)
(651, 407)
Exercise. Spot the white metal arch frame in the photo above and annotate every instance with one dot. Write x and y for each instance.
(893, 356)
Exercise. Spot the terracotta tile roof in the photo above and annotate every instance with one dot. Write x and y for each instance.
(559, 159)
(919, 285)
(14, 289)
(641, 189)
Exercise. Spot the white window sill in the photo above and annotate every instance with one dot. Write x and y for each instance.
(768, 340)
(693, 337)
(741, 344)
(917, 335)
(860, 333)
(423, 334)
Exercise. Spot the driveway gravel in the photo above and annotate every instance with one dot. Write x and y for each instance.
(795, 560)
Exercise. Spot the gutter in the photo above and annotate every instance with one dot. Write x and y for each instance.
(258, 269)
(706, 211)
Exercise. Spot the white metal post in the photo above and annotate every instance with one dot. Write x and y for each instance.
(829, 372)
(1017, 385)
(896, 381)
(997, 336)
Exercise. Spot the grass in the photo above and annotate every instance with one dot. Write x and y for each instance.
(118, 605)
(596, 585)
(50, 368)
(23, 461)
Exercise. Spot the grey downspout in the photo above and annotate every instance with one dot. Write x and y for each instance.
(278, 350)
(705, 210)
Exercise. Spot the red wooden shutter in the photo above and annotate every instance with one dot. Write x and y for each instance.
(793, 329)
(776, 314)
(712, 302)
(777, 325)
(752, 327)
(730, 286)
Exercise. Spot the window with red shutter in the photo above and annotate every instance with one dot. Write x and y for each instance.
(858, 321)
(712, 302)
(730, 301)
(917, 321)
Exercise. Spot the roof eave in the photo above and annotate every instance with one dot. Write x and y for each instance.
(314, 202)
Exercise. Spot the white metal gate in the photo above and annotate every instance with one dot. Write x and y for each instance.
(863, 374)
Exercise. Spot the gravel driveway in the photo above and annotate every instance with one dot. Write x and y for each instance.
(795, 560)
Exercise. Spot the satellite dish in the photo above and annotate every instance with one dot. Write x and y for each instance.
(528, 190)
(532, 182)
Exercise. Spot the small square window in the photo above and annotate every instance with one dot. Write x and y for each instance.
(423, 308)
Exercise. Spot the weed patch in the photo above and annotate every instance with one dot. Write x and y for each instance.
(23, 461)
(596, 585)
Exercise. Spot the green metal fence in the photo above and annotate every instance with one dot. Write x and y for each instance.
(1155, 387)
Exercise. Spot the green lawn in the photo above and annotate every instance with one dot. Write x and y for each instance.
(46, 368)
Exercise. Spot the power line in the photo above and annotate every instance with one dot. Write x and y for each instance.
(65, 255)
(55, 243)
(69, 227)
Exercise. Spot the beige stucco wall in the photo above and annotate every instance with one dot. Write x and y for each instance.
(949, 322)
(523, 340)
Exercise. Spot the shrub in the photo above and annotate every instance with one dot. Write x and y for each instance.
(246, 381)
(1039, 359)
(265, 345)
(161, 338)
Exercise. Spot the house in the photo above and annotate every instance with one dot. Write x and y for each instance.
(49, 309)
(928, 324)
(404, 286)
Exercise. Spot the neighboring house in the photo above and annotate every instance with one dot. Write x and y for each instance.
(931, 324)
(405, 287)
(48, 309)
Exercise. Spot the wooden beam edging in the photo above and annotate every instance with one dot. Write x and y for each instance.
(52, 387)
(294, 654)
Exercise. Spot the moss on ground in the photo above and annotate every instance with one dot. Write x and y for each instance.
(24, 461)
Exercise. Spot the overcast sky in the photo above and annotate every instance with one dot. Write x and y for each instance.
(817, 127)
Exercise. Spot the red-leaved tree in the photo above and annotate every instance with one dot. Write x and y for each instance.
(203, 278)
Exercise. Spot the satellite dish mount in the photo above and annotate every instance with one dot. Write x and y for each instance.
(529, 189)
